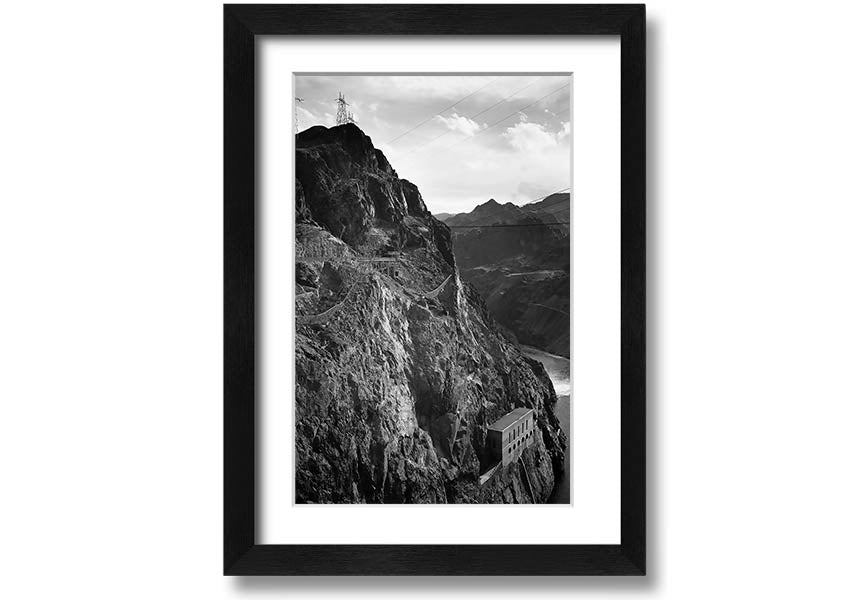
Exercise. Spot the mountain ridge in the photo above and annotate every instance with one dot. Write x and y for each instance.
(517, 257)
(551, 209)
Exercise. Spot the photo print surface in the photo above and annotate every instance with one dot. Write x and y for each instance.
(432, 288)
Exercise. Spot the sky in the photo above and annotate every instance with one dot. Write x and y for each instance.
(462, 139)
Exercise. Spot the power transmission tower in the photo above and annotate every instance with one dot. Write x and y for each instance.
(343, 115)
(298, 100)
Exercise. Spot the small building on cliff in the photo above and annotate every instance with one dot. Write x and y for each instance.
(510, 435)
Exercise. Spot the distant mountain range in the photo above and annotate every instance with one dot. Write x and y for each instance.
(518, 258)
(552, 209)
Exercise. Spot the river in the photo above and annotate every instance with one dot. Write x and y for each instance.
(558, 369)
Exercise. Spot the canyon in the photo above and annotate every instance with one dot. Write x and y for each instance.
(399, 364)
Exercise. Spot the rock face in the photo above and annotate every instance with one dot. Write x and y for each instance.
(395, 389)
(518, 258)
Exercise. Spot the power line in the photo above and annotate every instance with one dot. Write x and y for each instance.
(488, 128)
(549, 194)
(506, 98)
(492, 106)
(549, 206)
(442, 111)
(509, 225)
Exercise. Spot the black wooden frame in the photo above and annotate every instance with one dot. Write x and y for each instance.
(242, 556)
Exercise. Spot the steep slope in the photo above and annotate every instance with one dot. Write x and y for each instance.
(399, 367)
(517, 257)
(552, 209)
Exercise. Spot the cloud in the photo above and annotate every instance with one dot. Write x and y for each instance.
(308, 118)
(428, 86)
(566, 130)
(526, 136)
(460, 124)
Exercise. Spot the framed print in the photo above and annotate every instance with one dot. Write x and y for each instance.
(434, 289)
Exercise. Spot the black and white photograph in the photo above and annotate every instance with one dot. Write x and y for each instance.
(432, 288)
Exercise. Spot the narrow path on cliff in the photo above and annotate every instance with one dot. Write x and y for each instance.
(327, 314)
(436, 291)
(540, 272)
(549, 307)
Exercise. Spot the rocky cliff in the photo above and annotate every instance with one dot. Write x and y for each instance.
(399, 365)
(518, 258)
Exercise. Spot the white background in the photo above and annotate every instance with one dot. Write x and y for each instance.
(594, 516)
(110, 325)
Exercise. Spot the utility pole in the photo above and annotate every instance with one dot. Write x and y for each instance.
(298, 101)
